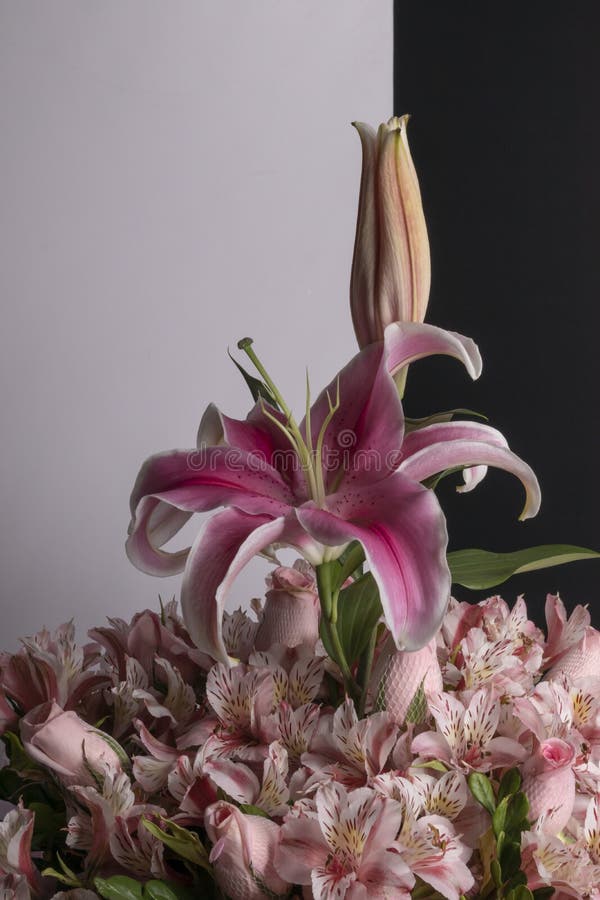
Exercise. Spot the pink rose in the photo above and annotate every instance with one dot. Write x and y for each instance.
(549, 784)
(397, 680)
(580, 660)
(66, 744)
(291, 613)
(242, 853)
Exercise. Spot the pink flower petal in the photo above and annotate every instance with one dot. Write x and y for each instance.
(435, 458)
(403, 532)
(405, 342)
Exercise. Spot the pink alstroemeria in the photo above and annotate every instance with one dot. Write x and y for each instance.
(467, 735)
(346, 473)
(346, 846)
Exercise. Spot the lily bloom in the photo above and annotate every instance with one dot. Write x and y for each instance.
(346, 473)
(391, 269)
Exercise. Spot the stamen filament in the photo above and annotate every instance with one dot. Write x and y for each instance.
(333, 408)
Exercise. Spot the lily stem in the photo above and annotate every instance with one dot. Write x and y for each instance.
(328, 598)
(364, 673)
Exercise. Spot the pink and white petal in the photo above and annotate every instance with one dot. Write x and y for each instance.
(236, 779)
(210, 431)
(385, 868)
(452, 454)
(226, 543)
(406, 342)
(301, 849)
(363, 439)
(156, 523)
(403, 532)
(450, 431)
(331, 885)
(382, 835)
(431, 745)
(506, 752)
(199, 480)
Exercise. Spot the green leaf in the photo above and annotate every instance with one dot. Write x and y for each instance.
(186, 844)
(418, 708)
(482, 569)
(166, 890)
(522, 892)
(119, 887)
(510, 859)
(251, 810)
(359, 610)
(446, 416)
(543, 893)
(47, 826)
(499, 816)
(509, 784)
(65, 876)
(350, 563)
(495, 872)
(481, 788)
(436, 764)
(517, 812)
(257, 387)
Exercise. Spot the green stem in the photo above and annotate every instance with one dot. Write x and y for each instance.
(354, 559)
(364, 674)
(328, 599)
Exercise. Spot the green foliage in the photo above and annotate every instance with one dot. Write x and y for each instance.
(183, 843)
(358, 612)
(483, 569)
(508, 807)
(257, 388)
(121, 887)
(481, 788)
(418, 709)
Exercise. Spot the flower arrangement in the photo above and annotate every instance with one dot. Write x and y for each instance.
(359, 732)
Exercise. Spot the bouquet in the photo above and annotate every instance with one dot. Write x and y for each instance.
(358, 732)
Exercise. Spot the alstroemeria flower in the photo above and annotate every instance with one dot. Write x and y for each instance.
(346, 473)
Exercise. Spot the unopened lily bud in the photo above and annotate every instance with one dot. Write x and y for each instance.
(391, 269)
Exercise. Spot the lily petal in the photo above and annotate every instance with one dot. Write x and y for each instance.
(365, 434)
(458, 453)
(403, 532)
(405, 342)
(156, 523)
(226, 543)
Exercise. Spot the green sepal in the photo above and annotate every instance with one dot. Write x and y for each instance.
(483, 569)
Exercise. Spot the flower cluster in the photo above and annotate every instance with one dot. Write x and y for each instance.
(136, 764)
(358, 734)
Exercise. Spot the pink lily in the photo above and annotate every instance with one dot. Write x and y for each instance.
(359, 480)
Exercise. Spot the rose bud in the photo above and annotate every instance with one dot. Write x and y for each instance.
(399, 675)
(291, 612)
(242, 853)
(391, 270)
(581, 660)
(66, 744)
(549, 784)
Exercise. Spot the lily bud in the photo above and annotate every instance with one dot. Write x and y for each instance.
(391, 269)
